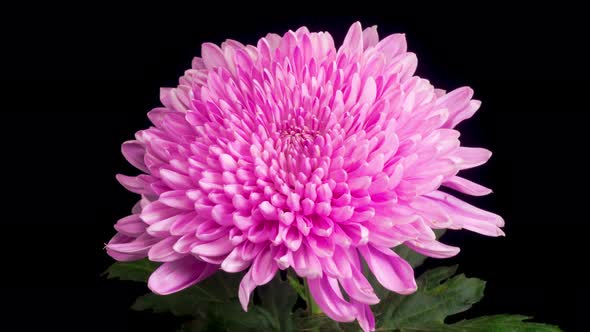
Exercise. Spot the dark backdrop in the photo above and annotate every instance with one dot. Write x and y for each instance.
(80, 81)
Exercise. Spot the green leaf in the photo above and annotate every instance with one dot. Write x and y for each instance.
(415, 259)
(185, 303)
(133, 271)
(219, 288)
(296, 284)
(230, 317)
(504, 323)
(234, 318)
(214, 303)
(315, 322)
(279, 298)
(439, 295)
(497, 323)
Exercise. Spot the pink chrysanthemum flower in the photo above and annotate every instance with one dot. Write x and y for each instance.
(295, 154)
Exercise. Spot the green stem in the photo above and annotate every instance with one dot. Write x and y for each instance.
(312, 306)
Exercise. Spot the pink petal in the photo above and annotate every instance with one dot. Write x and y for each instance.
(175, 180)
(433, 249)
(338, 266)
(214, 248)
(392, 45)
(163, 252)
(212, 56)
(177, 199)
(175, 276)
(134, 152)
(234, 262)
(465, 186)
(353, 42)
(470, 157)
(264, 267)
(187, 223)
(359, 288)
(156, 211)
(131, 225)
(247, 286)
(326, 293)
(467, 216)
(209, 230)
(305, 262)
(185, 243)
(370, 37)
(364, 316)
(139, 184)
(137, 246)
(391, 271)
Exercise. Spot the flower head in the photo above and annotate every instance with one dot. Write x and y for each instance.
(295, 154)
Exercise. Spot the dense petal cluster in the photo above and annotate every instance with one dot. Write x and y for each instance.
(295, 154)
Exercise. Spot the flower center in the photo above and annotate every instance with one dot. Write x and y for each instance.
(296, 139)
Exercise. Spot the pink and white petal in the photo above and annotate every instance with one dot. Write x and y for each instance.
(131, 225)
(234, 262)
(326, 293)
(433, 249)
(467, 216)
(156, 211)
(392, 45)
(185, 243)
(364, 316)
(163, 251)
(214, 248)
(465, 186)
(305, 262)
(463, 114)
(264, 267)
(175, 276)
(134, 246)
(124, 257)
(370, 37)
(186, 223)
(247, 286)
(352, 45)
(338, 265)
(393, 272)
(140, 184)
(470, 157)
(213, 56)
(134, 152)
(359, 288)
(177, 199)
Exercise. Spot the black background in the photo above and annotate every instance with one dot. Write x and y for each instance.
(80, 80)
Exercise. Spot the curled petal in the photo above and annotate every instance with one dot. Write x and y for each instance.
(392, 271)
(305, 262)
(136, 246)
(234, 262)
(264, 267)
(359, 288)
(214, 248)
(467, 216)
(175, 276)
(134, 152)
(467, 187)
(163, 251)
(433, 249)
(326, 293)
(131, 225)
(364, 316)
(247, 286)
